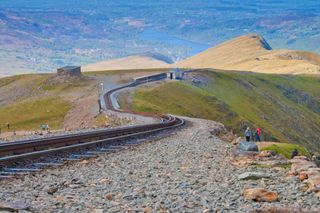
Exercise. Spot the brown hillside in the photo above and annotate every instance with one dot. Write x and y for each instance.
(127, 63)
(252, 53)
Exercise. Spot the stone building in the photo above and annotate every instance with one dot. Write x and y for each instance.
(175, 74)
(69, 70)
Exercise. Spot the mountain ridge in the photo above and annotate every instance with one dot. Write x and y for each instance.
(132, 62)
(253, 53)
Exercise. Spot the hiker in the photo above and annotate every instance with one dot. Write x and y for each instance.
(248, 134)
(257, 135)
(8, 125)
(294, 153)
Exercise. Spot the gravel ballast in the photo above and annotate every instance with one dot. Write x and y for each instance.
(190, 171)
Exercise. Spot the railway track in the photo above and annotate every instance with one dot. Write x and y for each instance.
(53, 151)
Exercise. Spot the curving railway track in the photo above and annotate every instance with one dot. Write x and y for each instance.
(89, 144)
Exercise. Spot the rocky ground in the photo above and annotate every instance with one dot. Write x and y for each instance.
(190, 171)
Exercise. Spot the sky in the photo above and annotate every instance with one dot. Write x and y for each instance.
(37, 35)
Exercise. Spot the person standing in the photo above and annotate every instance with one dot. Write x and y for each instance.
(294, 153)
(257, 134)
(248, 134)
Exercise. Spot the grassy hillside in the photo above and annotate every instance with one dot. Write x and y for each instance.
(286, 149)
(287, 108)
(27, 101)
(29, 115)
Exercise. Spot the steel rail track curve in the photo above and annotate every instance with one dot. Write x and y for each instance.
(13, 152)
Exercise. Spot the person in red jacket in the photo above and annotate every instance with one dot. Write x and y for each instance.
(257, 134)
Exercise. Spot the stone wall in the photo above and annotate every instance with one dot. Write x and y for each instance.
(70, 70)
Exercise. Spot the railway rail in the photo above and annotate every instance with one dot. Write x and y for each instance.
(99, 141)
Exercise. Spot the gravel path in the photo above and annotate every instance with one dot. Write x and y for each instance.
(189, 171)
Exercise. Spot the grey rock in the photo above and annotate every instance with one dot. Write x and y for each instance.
(253, 176)
(52, 190)
(14, 206)
(248, 146)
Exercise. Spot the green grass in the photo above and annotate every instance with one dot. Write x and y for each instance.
(287, 108)
(34, 99)
(285, 166)
(29, 115)
(286, 149)
(182, 99)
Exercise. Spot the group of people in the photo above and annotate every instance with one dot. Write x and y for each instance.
(255, 136)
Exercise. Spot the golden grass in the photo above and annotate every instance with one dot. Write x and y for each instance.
(248, 53)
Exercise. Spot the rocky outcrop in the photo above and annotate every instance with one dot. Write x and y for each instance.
(260, 194)
(306, 171)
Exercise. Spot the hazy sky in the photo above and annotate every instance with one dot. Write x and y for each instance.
(41, 35)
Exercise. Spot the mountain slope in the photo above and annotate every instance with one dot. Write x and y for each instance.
(286, 107)
(252, 53)
(143, 61)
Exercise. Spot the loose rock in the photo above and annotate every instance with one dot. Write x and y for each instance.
(278, 210)
(260, 194)
(253, 176)
(14, 206)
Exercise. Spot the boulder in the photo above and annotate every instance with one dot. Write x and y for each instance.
(313, 171)
(260, 195)
(303, 176)
(253, 176)
(314, 179)
(51, 190)
(265, 153)
(13, 206)
(301, 157)
(307, 170)
(314, 184)
(300, 163)
(248, 146)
